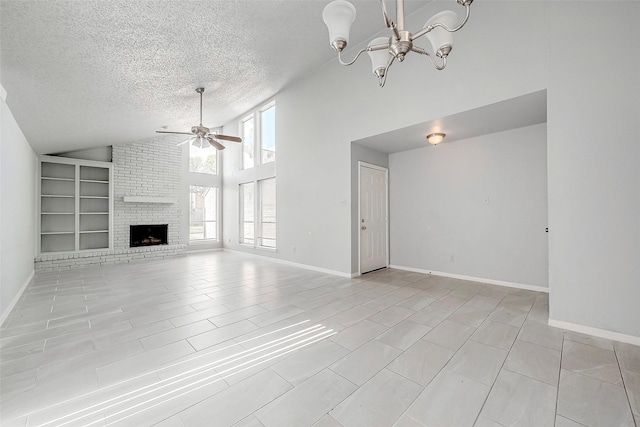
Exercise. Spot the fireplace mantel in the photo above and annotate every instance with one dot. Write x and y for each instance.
(149, 199)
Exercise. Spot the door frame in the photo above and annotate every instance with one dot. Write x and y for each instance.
(362, 164)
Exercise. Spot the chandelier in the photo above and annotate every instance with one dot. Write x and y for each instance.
(340, 14)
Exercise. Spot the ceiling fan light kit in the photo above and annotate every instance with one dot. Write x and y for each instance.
(200, 134)
(383, 51)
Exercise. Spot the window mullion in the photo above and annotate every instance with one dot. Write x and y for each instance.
(257, 228)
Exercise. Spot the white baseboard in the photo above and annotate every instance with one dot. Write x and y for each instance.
(296, 264)
(196, 251)
(602, 333)
(16, 298)
(475, 279)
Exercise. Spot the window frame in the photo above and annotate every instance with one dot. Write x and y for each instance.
(256, 116)
(257, 214)
(260, 148)
(241, 192)
(244, 120)
(217, 216)
(260, 219)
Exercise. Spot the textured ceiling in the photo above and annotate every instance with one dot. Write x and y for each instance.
(81, 74)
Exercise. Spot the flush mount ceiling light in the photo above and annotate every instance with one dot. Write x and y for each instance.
(435, 138)
(340, 14)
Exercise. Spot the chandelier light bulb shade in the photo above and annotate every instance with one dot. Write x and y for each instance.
(379, 58)
(439, 37)
(435, 138)
(383, 51)
(338, 17)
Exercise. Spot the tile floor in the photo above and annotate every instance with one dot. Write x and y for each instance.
(223, 339)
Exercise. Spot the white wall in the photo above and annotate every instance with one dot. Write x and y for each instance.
(318, 117)
(18, 173)
(594, 165)
(439, 207)
(584, 54)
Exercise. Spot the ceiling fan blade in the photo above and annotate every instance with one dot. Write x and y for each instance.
(227, 138)
(178, 133)
(215, 143)
(186, 141)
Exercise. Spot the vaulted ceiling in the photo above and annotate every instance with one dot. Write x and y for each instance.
(82, 74)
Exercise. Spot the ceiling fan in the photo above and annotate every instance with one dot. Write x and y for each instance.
(200, 134)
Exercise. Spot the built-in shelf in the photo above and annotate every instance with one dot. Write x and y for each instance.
(56, 232)
(48, 178)
(75, 204)
(149, 199)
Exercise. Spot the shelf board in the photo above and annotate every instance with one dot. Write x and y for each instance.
(94, 231)
(95, 180)
(94, 197)
(58, 195)
(57, 179)
(57, 213)
(149, 199)
(49, 233)
(94, 213)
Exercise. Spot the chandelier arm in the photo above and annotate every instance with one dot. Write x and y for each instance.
(388, 22)
(396, 34)
(421, 51)
(451, 30)
(383, 79)
(367, 49)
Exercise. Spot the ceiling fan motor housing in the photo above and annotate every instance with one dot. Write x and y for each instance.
(200, 130)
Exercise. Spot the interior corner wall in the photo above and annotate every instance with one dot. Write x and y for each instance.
(475, 207)
(593, 164)
(320, 115)
(18, 173)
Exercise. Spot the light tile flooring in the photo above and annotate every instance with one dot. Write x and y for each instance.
(222, 339)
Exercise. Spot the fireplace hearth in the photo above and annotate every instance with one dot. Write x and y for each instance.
(148, 235)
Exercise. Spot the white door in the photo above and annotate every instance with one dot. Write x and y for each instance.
(374, 247)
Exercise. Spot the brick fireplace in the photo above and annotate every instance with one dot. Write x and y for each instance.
(147, 182)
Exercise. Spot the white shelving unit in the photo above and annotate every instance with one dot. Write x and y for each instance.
(76, 205)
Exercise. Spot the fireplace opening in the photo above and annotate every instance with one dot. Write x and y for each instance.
(148, 235)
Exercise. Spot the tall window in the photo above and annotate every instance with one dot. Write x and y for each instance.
(203, 160)
(268, 134)
(247, 213)
(259, 137)
(248, 142)
(203, 213)
(268, 212)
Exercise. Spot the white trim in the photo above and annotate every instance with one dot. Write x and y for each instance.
(296, 264)
(197, 251)
(475, 279)
(602, 333)
(16, 298)
(362, 164)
